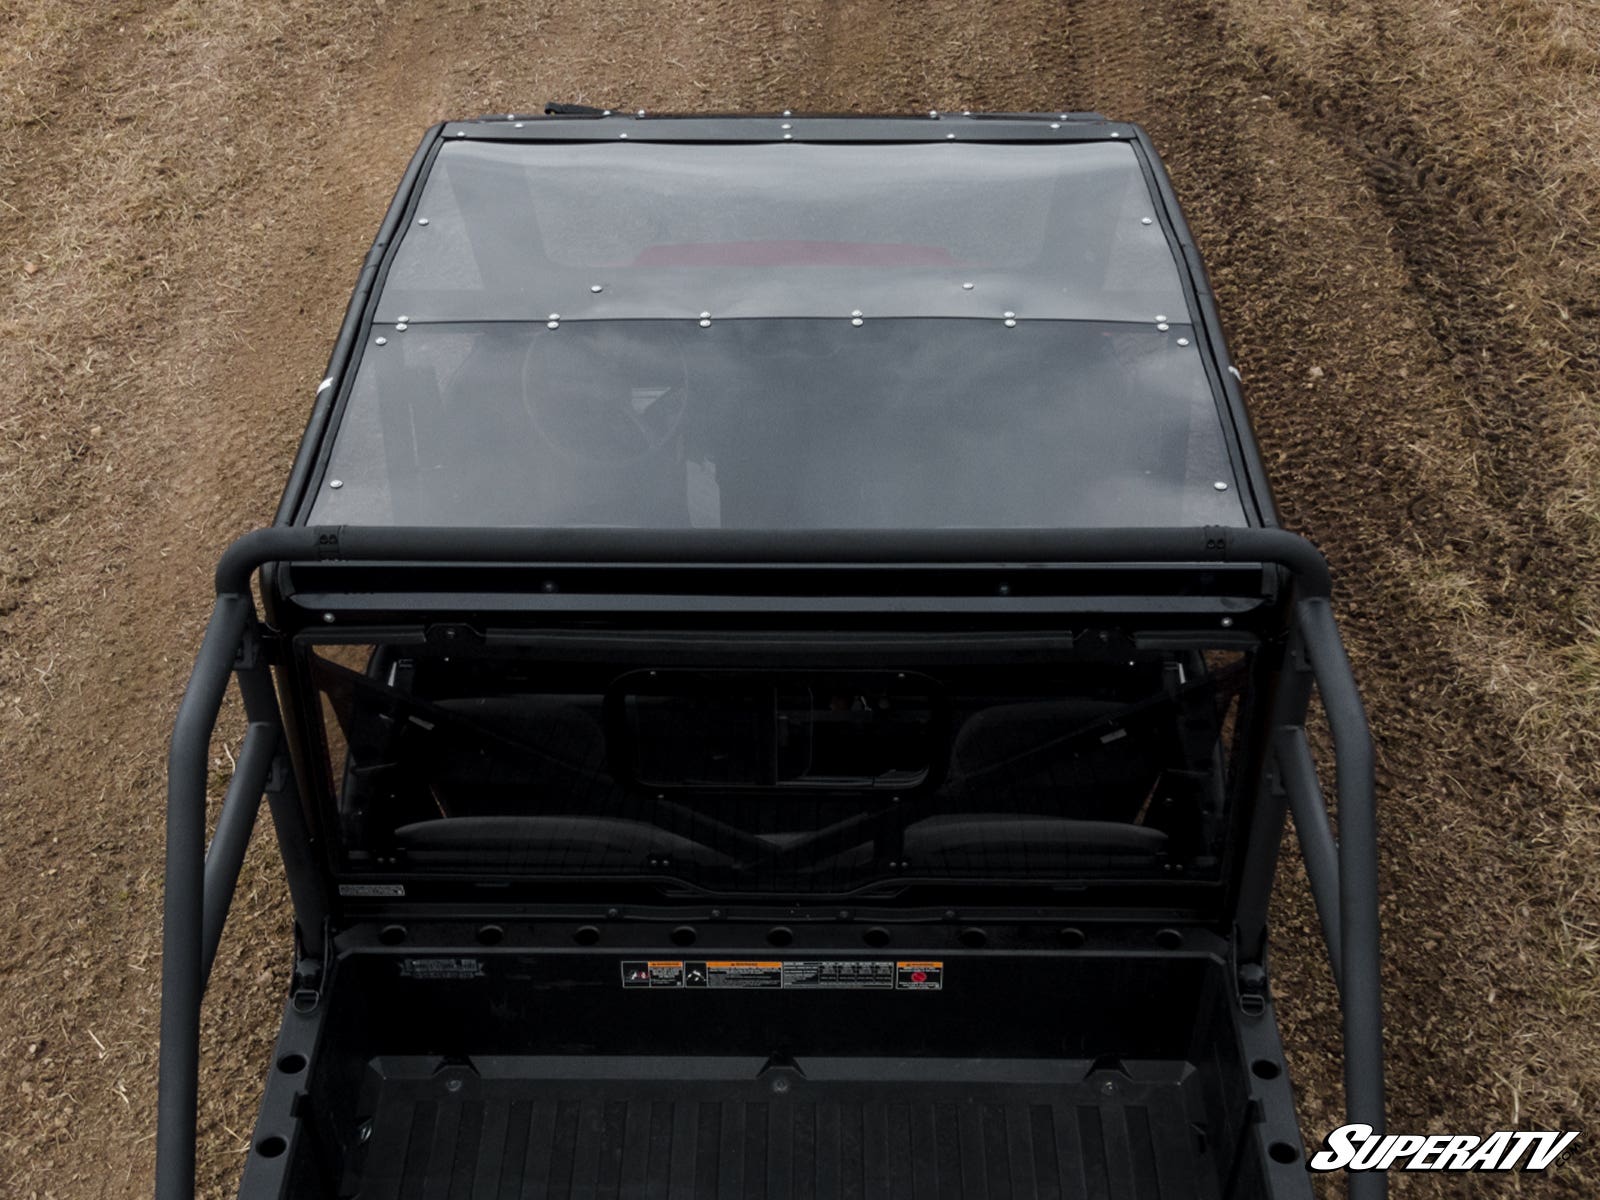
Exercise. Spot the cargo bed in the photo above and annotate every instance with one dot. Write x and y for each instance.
(537, 1066)
(738, 1127)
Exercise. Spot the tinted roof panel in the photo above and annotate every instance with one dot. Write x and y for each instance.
(781, 424)
(517, 231)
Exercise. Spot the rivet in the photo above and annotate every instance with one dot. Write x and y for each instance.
(1227, 622)
(967, 287)
(327, 618)
(422, 220)
(597, 287)
(788, 137)
(403, 318)
(553, 317)
(640, 113)
(855, 312)
(381, 341)
(1146, 221)
(1063, 116)
(518, 125)
(336, 483)
(1009, 314)
(1183, 341)
(622, 135)
(552, 324)
(1161, 316)
(855, 320)
(705, 316)
(1220, 486)
(461, 133)
(1055, 124)
(1163, 326)
(934, 113)
(785, 126)
(787, 113)
(705, 323)
(1011, 323)
(1116, 135)
(949, 137)
(400, 327)
(605, 112)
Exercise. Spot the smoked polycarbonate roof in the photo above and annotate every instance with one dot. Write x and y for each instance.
(517, 231)
(781, 336)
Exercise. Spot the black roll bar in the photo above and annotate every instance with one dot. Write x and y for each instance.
(199, 885)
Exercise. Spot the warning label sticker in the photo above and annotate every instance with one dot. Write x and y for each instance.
(919, 976)
(843, 974)
(741, 974)
(652, 974)
(808, 974)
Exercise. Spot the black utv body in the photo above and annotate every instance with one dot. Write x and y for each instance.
(778, 675)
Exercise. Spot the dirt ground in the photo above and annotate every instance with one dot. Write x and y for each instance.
(1398, 199)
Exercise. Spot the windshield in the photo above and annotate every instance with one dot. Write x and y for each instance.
(805, 780)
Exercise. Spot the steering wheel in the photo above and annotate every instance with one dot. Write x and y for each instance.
(602, 395)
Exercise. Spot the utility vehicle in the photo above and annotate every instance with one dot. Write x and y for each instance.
(776, 675)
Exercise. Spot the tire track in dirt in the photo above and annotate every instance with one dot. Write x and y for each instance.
(1353, 348)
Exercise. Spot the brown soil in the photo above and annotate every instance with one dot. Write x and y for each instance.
(1397, 203)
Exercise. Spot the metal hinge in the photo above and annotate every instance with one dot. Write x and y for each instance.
(310, 973)
(1250, 981)
(259, 644)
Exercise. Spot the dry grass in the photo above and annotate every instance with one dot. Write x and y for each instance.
(1403, 196)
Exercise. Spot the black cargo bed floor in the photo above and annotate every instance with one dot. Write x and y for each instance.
(738, 1128)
